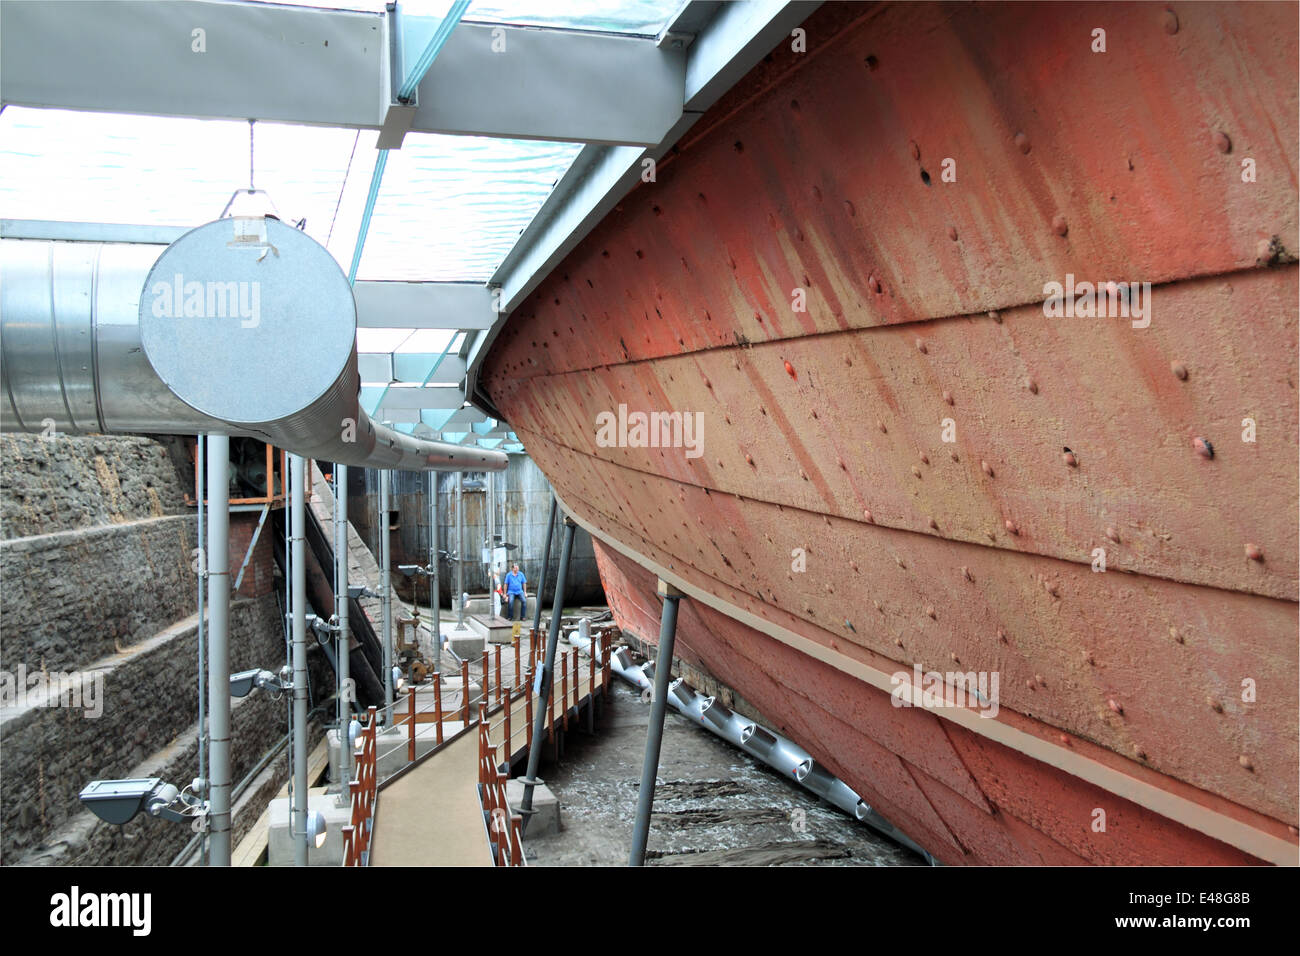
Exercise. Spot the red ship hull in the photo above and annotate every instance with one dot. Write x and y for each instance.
(919, 469)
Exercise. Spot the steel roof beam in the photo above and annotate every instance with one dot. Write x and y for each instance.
(423, 305)
(387, 367)
(431, 397)
(201, 58)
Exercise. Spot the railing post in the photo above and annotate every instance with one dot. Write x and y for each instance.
(516, 849)
(518, 675)
(577, 677)
(464, 689)
(498, 672)
(410, 737)
(485, 693)
(510, 752)
(437, 706)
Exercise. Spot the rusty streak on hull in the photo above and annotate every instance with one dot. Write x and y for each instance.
(950, 474)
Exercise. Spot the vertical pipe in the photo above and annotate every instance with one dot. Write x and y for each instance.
(200, 493)
(654, 733)
(492, 529)
(218, 464)
(385, 589)
(298, 519)
(435, 599)
(544, 677)
(546, 566)
(460, 551)
(342, 610)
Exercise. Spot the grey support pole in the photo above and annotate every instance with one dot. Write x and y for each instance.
(434, 599)
(460, 551)
(200, 494)
(384, 586)
(341, 609)
(492, 535)
(218, 464)
(655, 732)
(543, 687)
(546, 566)
(298, 538)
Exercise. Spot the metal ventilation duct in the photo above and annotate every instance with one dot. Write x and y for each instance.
(245, 327)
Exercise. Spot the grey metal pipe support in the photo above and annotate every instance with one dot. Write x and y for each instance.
(460, 551)
(95, 337)
(200, 494)
(542, 688)
(435, 600)
(655, 732)
(218, 465)
(546, 566)
(341, 612)
(385, 586)
(298, 541)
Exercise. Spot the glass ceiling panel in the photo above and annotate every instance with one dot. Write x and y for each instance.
(451, 207)
(635, 17)
(155, 170)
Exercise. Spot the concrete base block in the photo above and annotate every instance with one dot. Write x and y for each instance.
(280, 847)
(467, 644)
(496, 630)
(546, 819)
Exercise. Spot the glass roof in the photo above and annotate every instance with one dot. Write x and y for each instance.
(632, 17)
(449, 208)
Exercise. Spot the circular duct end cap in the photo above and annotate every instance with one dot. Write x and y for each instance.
(247, 320)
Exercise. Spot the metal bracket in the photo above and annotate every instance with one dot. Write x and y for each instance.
(401, 113)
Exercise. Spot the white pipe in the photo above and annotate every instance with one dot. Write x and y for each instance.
(298, 518)
(218, 461)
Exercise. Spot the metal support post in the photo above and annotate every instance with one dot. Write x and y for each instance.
(298, 539)
(655, 732)
(546, 566)
(460, 551)
(218, 465)
(542, 687)
(341, 612)
(435, 611)
(385, 595)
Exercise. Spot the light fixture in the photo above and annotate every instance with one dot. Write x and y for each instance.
(354, 731)
(245, 682)
(119, 801)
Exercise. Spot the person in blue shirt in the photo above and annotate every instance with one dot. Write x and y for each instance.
(516, 589)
